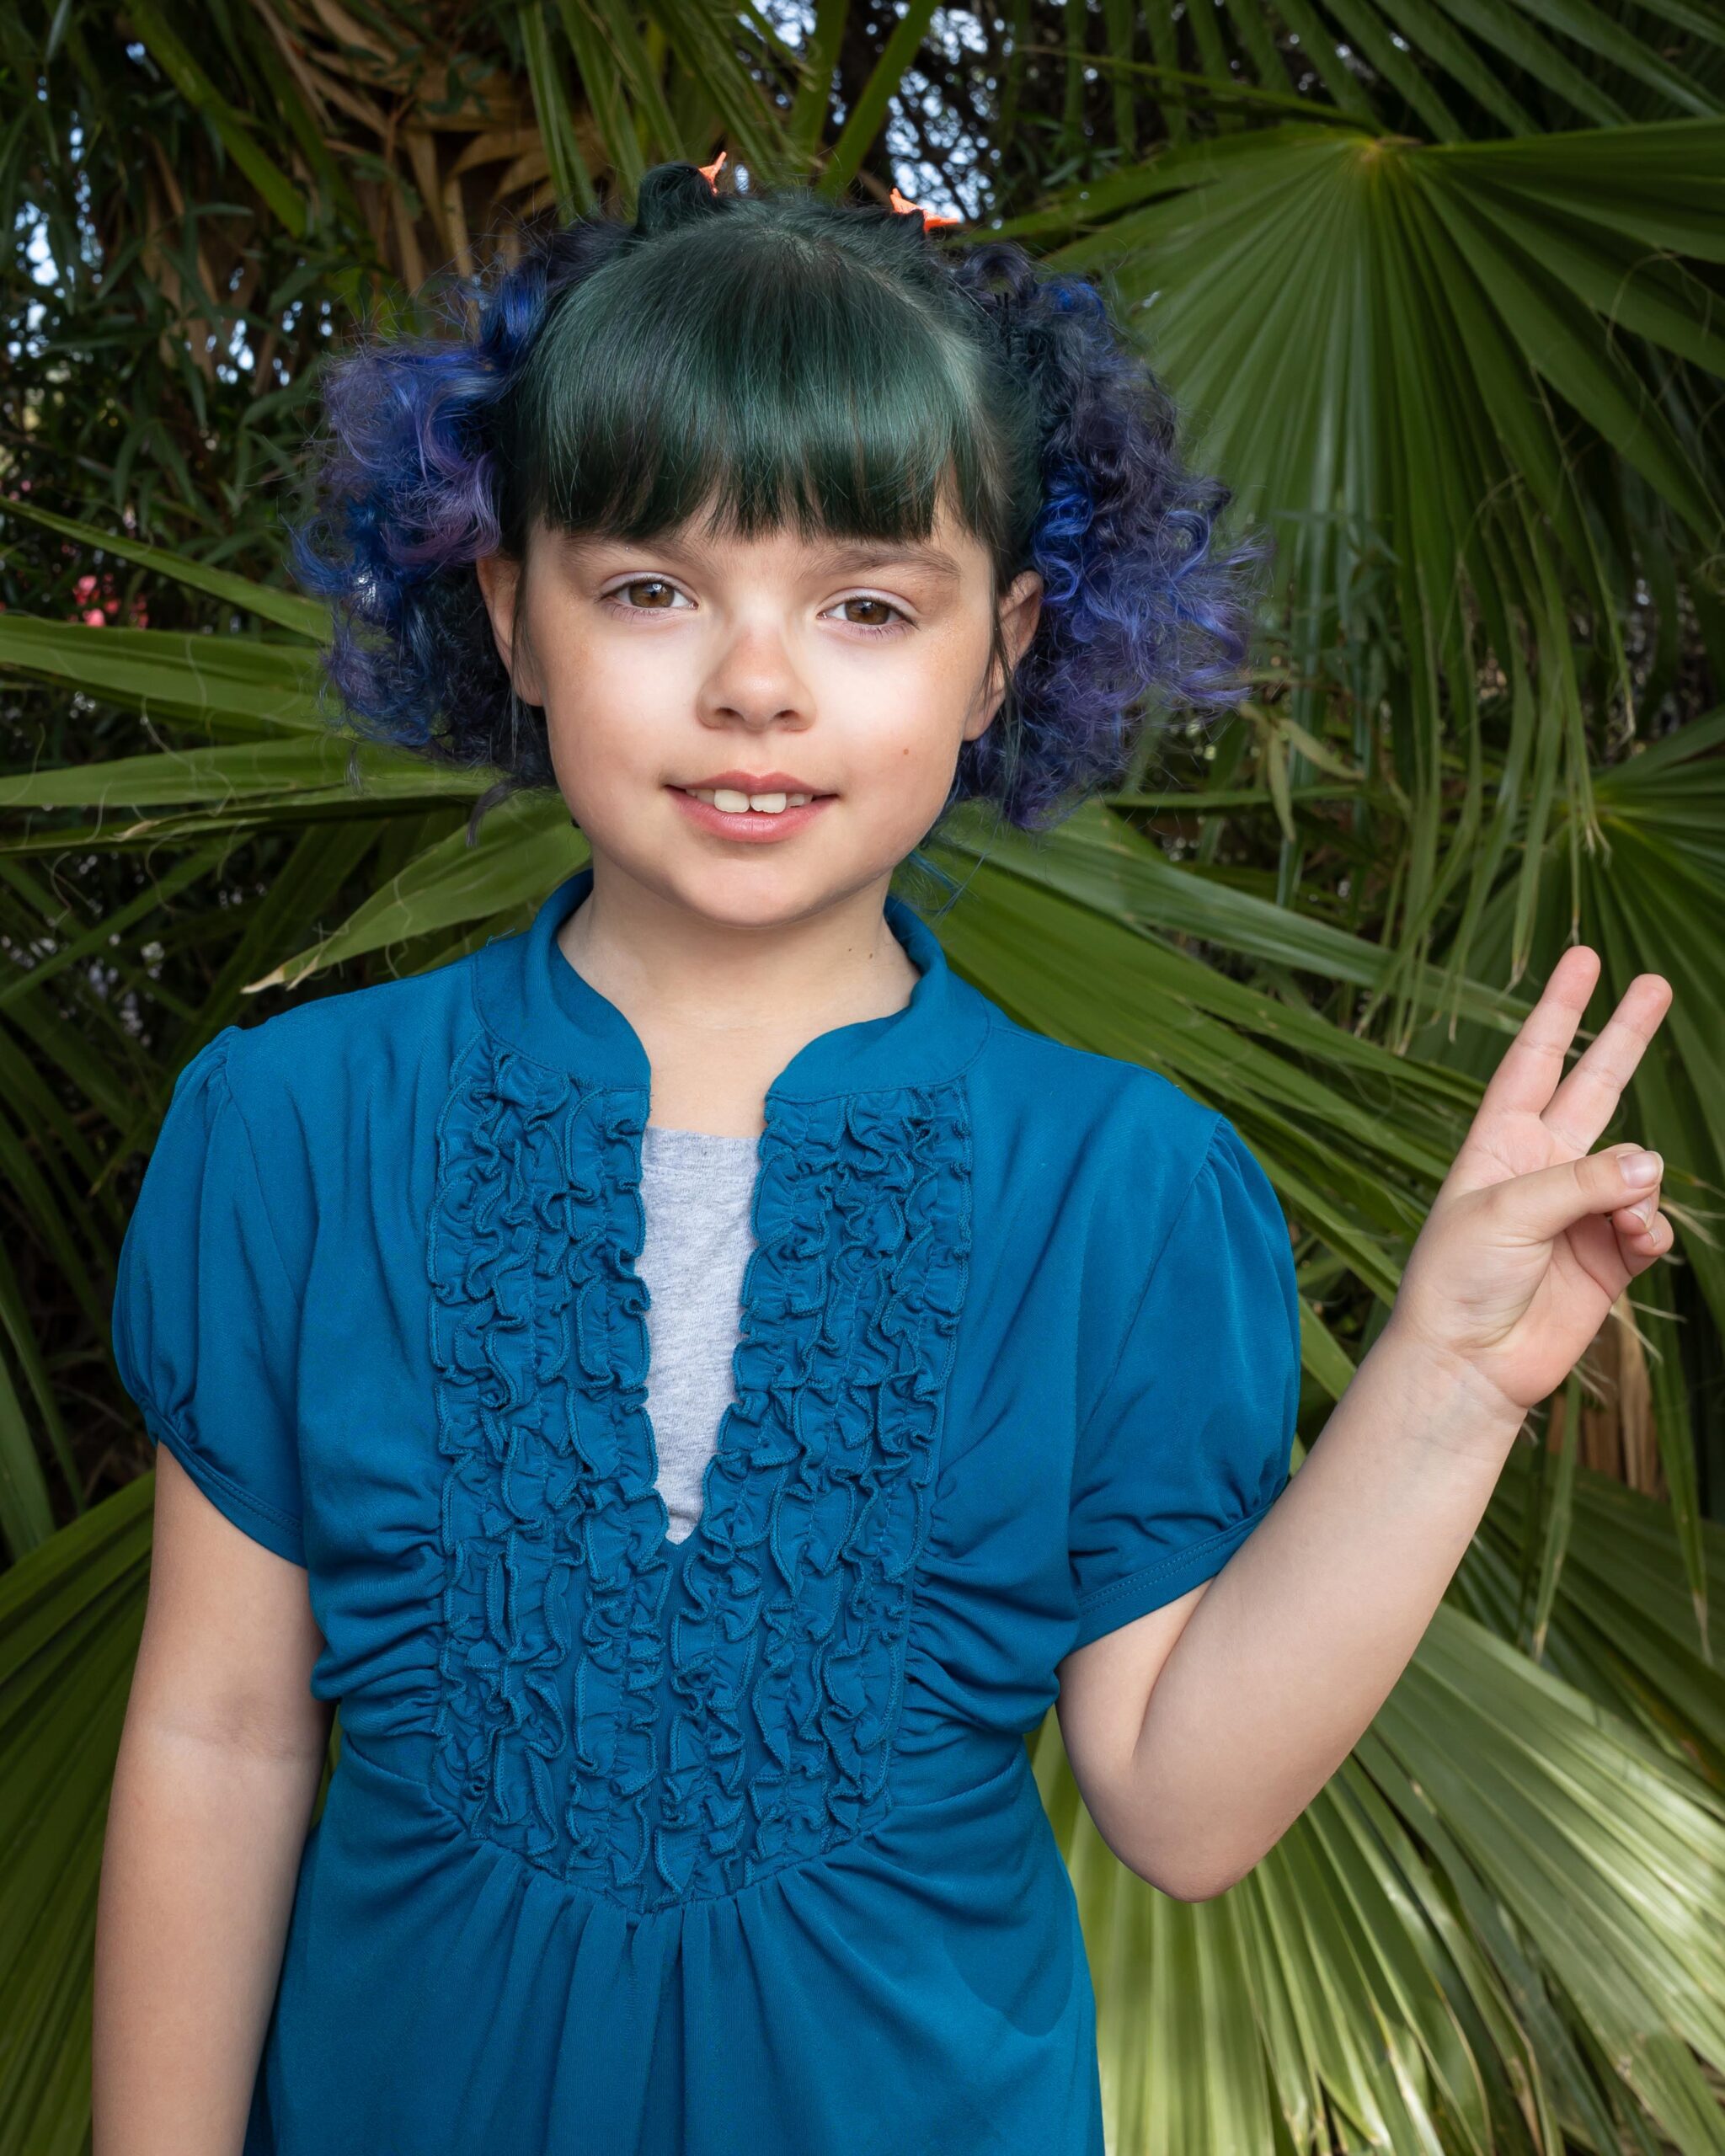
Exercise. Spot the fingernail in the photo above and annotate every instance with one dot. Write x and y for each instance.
(1644, 1212)
(1639, 1168)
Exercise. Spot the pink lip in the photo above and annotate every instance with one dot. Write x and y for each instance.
(755, 826)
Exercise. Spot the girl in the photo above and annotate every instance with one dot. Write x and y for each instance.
(696, 1380)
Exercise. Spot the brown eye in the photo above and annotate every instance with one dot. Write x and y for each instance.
(884, 614)
(665, 596)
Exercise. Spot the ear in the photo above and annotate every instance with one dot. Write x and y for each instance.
(500, 586)
(1020, 610)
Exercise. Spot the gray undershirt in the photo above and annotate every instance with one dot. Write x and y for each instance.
(695, 1193)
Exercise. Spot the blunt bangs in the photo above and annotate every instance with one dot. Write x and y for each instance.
(777, 378)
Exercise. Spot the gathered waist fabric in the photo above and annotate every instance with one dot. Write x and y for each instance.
(945, 1758)
(923, 1986)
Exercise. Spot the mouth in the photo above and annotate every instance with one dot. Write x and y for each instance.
(765, 793)
(763, 812)
(764, 801)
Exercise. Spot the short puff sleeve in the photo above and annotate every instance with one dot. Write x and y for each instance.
(1189, 1442)
(205, 1318)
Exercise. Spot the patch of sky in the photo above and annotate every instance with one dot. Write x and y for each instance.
(920, 124)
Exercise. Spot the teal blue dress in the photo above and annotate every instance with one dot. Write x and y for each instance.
(727, 1846)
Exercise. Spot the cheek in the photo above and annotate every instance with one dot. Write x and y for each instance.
(919, 718)
(906, 738)
(607, 702)
(913, 694)
(904, 727)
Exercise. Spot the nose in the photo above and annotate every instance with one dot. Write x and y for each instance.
(754, 679)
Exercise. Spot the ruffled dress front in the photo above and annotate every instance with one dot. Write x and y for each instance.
(727, 1846)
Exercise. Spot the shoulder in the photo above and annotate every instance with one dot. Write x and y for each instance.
(1110, 1104)
(302, 1119)
(334, 1049)
(1146, 1165)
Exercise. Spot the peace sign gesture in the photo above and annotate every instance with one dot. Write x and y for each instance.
(1533, 1237)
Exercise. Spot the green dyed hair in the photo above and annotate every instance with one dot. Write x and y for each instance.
(787, 361)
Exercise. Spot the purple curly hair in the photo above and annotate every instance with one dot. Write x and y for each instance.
(613, 382)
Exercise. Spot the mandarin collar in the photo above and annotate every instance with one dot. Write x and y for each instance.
(531, 997)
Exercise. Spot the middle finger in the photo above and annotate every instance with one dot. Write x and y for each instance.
(1587, 1099)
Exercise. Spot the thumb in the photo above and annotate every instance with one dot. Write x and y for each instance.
(1539, 1206)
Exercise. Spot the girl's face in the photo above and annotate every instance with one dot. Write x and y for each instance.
(850, 671)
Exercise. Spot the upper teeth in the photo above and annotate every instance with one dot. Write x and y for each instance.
(734, 803)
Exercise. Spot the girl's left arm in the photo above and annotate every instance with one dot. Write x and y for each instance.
(1198, 1733)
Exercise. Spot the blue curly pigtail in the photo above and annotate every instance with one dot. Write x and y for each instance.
(1142, 612)
(408, 501)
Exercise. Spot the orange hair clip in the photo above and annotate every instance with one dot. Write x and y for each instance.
(903, 207)
(710, 173)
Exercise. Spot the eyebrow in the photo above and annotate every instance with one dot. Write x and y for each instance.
(863, 554)
(875, 555)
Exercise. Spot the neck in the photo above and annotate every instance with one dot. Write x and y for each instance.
(722, 1005)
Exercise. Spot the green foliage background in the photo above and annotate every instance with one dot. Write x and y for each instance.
(1437, 282)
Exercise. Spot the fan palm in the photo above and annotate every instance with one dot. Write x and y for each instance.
(1435, 278)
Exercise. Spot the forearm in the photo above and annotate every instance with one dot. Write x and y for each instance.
(201, 1855)
(1301, 1637)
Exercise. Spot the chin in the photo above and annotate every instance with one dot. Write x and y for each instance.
(759, 898)
(751, 894)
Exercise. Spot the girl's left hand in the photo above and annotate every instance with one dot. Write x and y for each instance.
(1532, 1237)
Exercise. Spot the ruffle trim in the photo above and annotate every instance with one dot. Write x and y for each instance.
(654, 1738)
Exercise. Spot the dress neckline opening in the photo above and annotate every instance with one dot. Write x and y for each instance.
(529, 995)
